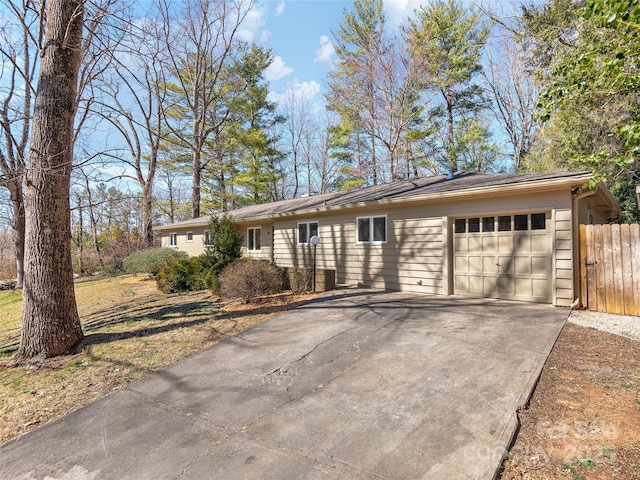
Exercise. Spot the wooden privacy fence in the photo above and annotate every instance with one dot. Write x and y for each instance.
(610, 268)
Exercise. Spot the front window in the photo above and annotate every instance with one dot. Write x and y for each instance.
(253, 239)
(372, 229)
(173, 239)
(189, 237)
(306, 230)
(206, 237)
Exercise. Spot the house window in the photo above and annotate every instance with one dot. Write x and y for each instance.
(306, 230)
(372, 229)
(206, 237)
(189, 237)
(253, 239)
(173, 239)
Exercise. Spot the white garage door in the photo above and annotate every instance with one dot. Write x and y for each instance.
(503, 256)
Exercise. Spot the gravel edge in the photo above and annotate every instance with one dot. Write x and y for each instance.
(624, 325)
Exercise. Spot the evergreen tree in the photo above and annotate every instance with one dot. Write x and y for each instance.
(224, 242)
(254, 142)
(446, 41)
(357, 43)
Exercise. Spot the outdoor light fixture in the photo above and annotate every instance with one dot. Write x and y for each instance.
(315, 241)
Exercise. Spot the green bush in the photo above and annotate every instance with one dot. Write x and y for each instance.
(182, 275)
(211, 281)
(151, 260)
(249, 278)
(224, 242)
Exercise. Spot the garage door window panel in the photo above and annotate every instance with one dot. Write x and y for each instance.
(520, 222)
(474, 225)
(538, 221)
(504, 223)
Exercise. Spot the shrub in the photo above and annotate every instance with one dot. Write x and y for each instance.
(182, 275)
(249, 278)
(211, 281)
(151, 260)
(224, 242)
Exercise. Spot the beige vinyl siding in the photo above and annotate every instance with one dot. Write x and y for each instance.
(410, 260)
(193, 248)
(563, 257)
(416, 257)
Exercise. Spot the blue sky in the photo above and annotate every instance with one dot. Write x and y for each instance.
(299, 32)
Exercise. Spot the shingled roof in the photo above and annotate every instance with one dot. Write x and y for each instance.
(424, 187)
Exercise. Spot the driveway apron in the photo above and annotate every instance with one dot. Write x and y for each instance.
(357, 384)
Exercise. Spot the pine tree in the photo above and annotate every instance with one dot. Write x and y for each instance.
(446, 41)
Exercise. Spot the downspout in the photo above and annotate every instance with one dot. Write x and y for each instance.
(577, 195)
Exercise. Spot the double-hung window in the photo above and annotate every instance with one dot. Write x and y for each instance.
(306, 230)
(253, 239)
(372, 229)
(206, 237)
(173, 239)
(189, 237)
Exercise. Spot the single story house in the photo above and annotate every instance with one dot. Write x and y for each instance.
(507, 236)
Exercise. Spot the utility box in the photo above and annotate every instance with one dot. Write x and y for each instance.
(301, 279)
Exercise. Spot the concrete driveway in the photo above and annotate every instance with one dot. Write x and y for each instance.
(355, 385)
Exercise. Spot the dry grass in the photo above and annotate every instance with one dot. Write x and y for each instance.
(584, 418)
(131, 330)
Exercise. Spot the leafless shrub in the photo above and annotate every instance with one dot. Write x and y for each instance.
(249, 279)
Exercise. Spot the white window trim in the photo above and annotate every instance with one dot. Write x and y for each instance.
(308, 231)
(173, 236)
(373, 242)
(254, 239)
(187, 236)
(205, 234)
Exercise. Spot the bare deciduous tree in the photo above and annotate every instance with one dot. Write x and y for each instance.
(19, 62)
(199, 49)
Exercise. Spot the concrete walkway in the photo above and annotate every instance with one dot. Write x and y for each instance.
(355, 385)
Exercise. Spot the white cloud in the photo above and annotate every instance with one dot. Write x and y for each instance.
(304, 92)
(251, 26)
(280, 8)
(324, 54)
(277, 70)
(399, 10)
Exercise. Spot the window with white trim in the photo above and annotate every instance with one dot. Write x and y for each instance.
(306, 230)
(253, 239)
(206, 238)
(371, 229)
(189, 237)
(173, 239)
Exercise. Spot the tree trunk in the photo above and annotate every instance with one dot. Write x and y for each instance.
(50, 321)
(453, 164)
(195, 188)
(147, 214)
(17, 206)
